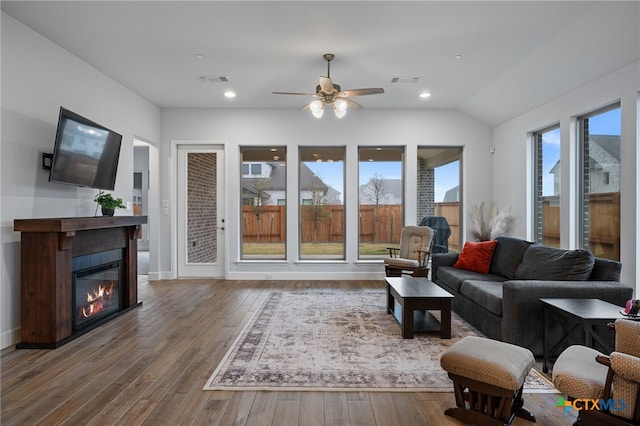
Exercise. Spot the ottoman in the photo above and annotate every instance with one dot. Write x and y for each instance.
(488, 377)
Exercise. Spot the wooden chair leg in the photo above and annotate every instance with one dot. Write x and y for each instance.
(483, 404)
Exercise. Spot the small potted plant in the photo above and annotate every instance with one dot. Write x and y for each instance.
(108, 204)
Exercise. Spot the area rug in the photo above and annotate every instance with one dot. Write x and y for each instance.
(334, 340)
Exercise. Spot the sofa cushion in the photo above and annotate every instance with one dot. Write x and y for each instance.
(476, 256)
(508, 256)
(605, 270)
(453, 277)
(487, 294)
(541, 262)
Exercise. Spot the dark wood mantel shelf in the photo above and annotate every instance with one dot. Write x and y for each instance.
(47, 247)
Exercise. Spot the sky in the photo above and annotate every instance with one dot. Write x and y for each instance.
(447, 177)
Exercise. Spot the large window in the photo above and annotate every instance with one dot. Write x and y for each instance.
(321, 192)
(381, 189)
(599, 136)
(263, 202)
(438, 197)
(546, 145)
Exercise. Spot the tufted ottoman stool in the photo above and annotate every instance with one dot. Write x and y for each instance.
(488, 377)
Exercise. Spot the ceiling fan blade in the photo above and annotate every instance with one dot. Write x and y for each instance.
(351, 104)
(362, 92)
(327, 85)
(294, 93)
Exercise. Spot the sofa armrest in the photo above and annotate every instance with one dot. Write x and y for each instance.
(441, 259)
(523, 313)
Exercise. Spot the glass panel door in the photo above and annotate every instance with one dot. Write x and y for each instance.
(200, 221)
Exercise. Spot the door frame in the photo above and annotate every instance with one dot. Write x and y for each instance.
(172, 207)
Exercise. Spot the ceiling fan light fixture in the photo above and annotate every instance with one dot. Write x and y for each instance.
(340, 107)
(317, 108)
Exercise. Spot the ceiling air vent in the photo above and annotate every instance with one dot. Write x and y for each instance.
(212, 79)
(405, 79)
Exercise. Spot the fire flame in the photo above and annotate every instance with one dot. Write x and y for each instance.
(97, 299)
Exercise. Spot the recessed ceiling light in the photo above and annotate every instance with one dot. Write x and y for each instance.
(230, 94)
(425, 95)
(199, 56)
(458, 56)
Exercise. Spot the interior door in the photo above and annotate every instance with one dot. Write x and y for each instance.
(200, 198)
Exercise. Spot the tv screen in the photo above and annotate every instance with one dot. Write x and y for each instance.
(85, 153)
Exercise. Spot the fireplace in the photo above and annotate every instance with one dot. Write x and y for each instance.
(75, 275)
(97, 287)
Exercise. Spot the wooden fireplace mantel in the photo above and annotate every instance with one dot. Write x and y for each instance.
(47, 248)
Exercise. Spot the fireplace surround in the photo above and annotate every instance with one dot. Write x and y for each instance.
(56, 253)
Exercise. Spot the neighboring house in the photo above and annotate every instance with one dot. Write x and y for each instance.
(604, 165)
(452, 195)
(384, 191)
(264, 183)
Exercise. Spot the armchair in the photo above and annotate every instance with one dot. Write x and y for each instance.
(412, 257)
(614, 380)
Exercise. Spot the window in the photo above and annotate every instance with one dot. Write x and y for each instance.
(380, 195)
(252, 169)
(599, 136)
(438, 197)
(321, 192)
(263, 203)
(546, 145)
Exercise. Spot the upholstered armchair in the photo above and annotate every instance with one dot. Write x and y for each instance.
(412, 257)
(584, 373)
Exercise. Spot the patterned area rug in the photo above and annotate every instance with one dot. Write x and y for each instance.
(338, 341)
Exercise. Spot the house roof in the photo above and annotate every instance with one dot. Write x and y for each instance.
(277, 180)
(610, 143)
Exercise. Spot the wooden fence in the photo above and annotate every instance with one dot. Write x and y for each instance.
(451, 211)
(604, 224)
(265, 224)
(322, 224)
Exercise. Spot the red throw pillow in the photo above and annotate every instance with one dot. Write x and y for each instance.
(476, 257)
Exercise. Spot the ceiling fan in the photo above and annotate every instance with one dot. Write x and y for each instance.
(329, 93)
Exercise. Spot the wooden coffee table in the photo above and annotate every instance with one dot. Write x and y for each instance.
(419, 294)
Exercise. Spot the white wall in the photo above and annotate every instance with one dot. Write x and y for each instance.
(512, 164)
(37, 78)
(235, 128)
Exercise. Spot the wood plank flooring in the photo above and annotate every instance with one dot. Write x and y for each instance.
(148, 366)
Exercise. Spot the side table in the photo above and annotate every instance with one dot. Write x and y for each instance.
(580, 320)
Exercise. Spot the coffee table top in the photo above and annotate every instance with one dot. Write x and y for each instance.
(408, 287)
(591, 309)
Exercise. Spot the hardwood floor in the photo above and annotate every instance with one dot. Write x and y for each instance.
(148, 366)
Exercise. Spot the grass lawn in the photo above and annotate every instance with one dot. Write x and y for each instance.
(321, 249)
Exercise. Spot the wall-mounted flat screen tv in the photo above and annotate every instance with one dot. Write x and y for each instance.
(85, 153)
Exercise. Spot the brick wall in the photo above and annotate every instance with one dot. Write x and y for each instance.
(426, 191)
(201, 208)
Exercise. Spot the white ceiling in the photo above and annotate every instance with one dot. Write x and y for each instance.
(515, 55)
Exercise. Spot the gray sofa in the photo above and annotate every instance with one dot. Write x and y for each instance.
(503, 304)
